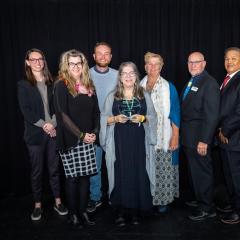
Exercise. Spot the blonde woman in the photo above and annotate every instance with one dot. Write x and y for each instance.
(78, 125)
(166, 103)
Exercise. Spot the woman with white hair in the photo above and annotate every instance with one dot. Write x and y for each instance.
(128, 136)
(166, 102)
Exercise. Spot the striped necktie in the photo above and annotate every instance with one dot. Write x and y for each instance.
(225, 81)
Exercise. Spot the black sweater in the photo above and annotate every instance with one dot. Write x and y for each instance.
(74, 115)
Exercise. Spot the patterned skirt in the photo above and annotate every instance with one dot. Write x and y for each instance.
(79, 160)
(167, 179)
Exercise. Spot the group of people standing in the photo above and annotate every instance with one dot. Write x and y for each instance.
(210, 114)
(88, 114)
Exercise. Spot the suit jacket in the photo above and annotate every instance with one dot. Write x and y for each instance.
(200, 111)
(230, 113)
(31, 106)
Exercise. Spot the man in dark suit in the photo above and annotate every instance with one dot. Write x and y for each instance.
(229, 131)
(199, 119)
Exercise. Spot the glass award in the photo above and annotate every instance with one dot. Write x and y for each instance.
(129, 107)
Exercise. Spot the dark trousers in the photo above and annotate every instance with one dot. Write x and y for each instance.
(37, 156)
(77, 191)
(231, 168)
(202, 177)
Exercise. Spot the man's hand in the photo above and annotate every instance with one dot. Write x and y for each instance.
(202, 148)
(222, 138)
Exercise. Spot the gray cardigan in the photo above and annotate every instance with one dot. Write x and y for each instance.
(106, 137)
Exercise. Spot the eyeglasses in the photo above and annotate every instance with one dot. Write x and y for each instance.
(195, 62)
(130, 74)
(72, 64)
(36, 60)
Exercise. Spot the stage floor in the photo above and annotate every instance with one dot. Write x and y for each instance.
(15, 223)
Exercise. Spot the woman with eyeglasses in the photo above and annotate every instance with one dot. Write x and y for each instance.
(128, 128)
(78, 117)
(35, 95)
(166, 103)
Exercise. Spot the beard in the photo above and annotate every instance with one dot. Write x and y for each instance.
(102, 64)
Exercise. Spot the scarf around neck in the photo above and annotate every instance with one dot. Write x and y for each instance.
(160, 96)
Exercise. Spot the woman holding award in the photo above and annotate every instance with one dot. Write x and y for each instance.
(128, 135)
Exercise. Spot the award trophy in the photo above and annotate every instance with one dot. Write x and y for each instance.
(129, 108)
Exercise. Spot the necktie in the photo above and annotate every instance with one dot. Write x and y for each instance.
(225, 81)
(187, 89)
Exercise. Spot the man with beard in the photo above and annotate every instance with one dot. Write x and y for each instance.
(105, 80)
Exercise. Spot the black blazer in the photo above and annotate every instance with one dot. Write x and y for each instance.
(31, 106)
(230, 113)
(200, 111)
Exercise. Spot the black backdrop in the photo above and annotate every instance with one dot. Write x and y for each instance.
(172, 28)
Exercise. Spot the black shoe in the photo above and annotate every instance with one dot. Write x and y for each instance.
(86, 219)
(192, 203)
(199, 215)
(135, 221)
(73, 220)
(120, 221)
(36, 214)
(231, 218)
(225, 209)
(162, 208)
(60, 209)
(93, 205)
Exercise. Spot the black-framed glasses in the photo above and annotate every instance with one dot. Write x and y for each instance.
(72, 64)
(36, 60)
(130, 74)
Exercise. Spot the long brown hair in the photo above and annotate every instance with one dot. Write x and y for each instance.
(64, 75)
(28, 71)
(137, 91)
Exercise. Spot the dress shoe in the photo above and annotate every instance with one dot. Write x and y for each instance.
(73, 220)
(87, 220)
(192, 203)
(135, 220)
(200, 215)
(120, 221)
(225, 209)
(162, 208)
(231, 218)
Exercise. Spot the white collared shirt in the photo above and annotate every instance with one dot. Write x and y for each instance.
(230, 75)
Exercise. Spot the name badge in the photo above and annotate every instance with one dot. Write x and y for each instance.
(195, 89)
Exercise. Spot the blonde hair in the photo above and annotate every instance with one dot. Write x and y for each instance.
(64, 74)
(149, 55)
